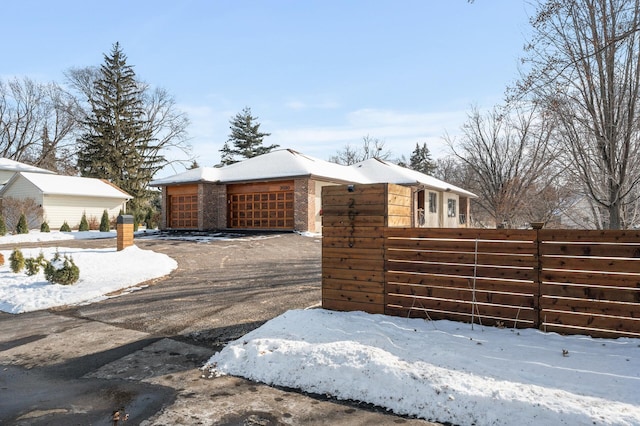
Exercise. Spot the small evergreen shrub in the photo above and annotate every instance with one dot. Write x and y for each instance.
(61, 271)
(84, 225)
(33, 265)
(16, 261)
(3, 226)
(45, 227)
(22, 227)
(65, 227)
(104, 222)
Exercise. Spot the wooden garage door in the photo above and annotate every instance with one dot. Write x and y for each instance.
(261, 206)
(183, 207)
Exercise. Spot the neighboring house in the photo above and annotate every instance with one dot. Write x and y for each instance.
(8, 168)
(282, 190)
(66, 198)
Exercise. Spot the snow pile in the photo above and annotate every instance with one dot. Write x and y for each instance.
(102, 271)
(444, 371)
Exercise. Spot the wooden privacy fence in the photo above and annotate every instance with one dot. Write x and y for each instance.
(569, 281)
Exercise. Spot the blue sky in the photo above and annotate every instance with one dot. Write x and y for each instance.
(318, 74)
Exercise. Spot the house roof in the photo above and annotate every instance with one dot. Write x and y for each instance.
(287, 163)
(380, 171)
(15, 166)
(70, 185)
(277, 164)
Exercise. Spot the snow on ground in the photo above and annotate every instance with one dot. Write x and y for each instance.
(442, 370)
(102, 271)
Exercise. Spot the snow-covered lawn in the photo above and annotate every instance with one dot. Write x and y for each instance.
(442, 370)
(102, 271)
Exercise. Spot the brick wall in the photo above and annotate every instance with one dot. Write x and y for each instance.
(212, 203)
(304, 205)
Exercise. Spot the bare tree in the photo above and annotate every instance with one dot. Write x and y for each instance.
(511, 159)
(584, 63)
(37, 122)
(370, 148)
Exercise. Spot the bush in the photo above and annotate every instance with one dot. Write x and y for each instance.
(44, 227)
(16, 261)
(94, 225)
(1, 259)
(104, 222)
(22, 227)
(33, 265)
(3, 226)
(61, 271)
(84, 225)
(65, 227)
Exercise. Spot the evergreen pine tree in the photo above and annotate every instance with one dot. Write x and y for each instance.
(44, 227)
(245, 140)
(118, 144)
(84, 224)
(22, 227)
(104, 222)
(65, 227)
(3, 226)
(421, 160)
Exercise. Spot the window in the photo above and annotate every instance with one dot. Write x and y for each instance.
(451, 208)
(433, 202)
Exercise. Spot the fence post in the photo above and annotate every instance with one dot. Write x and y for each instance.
(537, 226)
(124, 232)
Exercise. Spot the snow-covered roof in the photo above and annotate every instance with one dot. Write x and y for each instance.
(287, 163)
(381, 171)
(15, 166)
(281, 163)
(70, 185)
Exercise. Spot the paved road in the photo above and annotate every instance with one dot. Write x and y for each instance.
(141, 352)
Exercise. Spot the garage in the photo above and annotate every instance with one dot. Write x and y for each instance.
(182, 207)
(266, 205)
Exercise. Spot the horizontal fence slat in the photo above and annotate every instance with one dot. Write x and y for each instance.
(589, 249)
(589, 236)
(526, 274)
(353, 220)
(591, 278)
(466, 294)
(462, 233)
(353, 296)
(355, 242)
(484, 284)
(589, 292)
(341, 305)
(456, 316)
(509, 247)
(353, 232)
(353, 253)
(600, 307)
(354, 264)
(453, 307)
(590, 321)
(629, 266)
(351, 285)
(465, 258)
(355, 275)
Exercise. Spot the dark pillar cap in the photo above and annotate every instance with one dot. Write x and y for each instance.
(125, 219)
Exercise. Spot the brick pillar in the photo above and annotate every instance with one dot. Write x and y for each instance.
(124, 229)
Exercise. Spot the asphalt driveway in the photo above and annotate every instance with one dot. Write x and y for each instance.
(140, 352)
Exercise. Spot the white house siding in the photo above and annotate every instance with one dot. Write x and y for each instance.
(23, 189)
(61, 208)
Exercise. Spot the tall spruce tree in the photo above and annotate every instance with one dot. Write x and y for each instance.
(421, 160)
(118, 145)
(245, 140)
